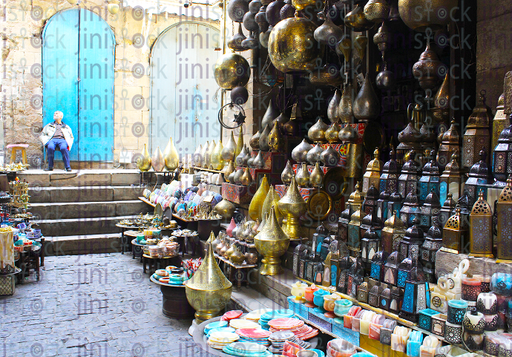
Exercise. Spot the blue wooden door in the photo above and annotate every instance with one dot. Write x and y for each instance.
(79, 46)
(183, 87)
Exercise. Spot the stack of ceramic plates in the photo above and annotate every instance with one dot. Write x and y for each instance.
(242, 323)
(247, 349)
(274, 314)
(219, 339)
(299, 329)
(231, 315)
(221, 329)
(256, 314)
(214, 325)
(255, 335)
(278, 339)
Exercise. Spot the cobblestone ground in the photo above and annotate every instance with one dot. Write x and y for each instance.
(95, 305)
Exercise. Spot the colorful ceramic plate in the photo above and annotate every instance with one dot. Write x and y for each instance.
(231, 315)
(286, 323)
(164, 280)
(221, 329)
(240, 323)
(247, 347)
(281, 336)
(223, 337)
(254, 333)
(216, 324)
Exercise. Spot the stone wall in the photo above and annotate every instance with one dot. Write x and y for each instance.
(494, 36)
(21, 63)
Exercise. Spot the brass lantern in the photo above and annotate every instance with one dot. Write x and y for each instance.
(500, 121)
(354, 235)
(390, 173)
(344, 267)
(480, 229)
(372, 174)
(451, 180)
(504, 211)
(477, 136)
(477, 178)
(354, 203)
(408, 179)
(449, 144)
(501, 157)
(446, 210)
(429, 210)
(430, 179)
(412, 241)
(455, 232)
(432, 243)
(392, 233)
(410, 209)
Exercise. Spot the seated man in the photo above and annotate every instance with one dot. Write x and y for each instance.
(57, 135)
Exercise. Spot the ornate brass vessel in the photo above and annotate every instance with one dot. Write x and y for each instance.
(275, 140)
(272, 243)
(240, 159)
(287, 174)
(256, 205)
(246, 178)
(441, 111)
(302, 4)
(317, 176)
(239, 143)
(258, 161)
(345, 112)
(216, 157)
(293, 206)
(314, 155)
(418, 16)
(171, 157)
(228, 169)
(157, 161)
(225, 209)
(228, 151)
(205, 155)
(255, 140)
(355, 19)
(300, 152)
(332, 109)
(428, 69)
(361, 42)
(208, 291)
(345, 47)
(144, 162)
(331, 134)
(302, 176)
(317, 132)
(264, 138)
(271, 113)
(231, 70)
(366, 105)
(271, 200)
(376, 11)
(291, 45)
(329, 157)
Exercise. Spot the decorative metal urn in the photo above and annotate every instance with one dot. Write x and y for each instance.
(292, 206)
(208, 291)
(272, 242)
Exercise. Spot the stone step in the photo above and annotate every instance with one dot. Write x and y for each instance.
(47, 211)
(98, 177)
(81, 226)
(40, 194)
(277, 288)
(83, 244)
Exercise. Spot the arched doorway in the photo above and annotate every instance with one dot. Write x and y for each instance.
(78, 79)
(183, 86)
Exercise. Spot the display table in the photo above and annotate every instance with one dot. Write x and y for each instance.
(174, 301)
(124, 239)
(137, 249)
(152, 264)
(201, 340)
(235, 272)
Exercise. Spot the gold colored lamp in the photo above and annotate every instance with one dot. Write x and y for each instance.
(480, 229)
(208, 291)
(454, 232)
(372, 174)
(504, 211)
(292, 206)
(499, 122)
(272, 242)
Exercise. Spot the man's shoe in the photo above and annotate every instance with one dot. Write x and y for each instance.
(68, 169)
(49, 169)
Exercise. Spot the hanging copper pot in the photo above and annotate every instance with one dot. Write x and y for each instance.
(292, 47)
(328, 33)
(382, 38)
(417, 16)
(385, 79)
(332, 109)
(366, 105)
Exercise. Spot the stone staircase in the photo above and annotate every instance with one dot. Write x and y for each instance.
(77, 211)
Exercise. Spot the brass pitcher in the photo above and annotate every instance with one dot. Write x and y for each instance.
(272, 243)
(144, 162)
(208, 291)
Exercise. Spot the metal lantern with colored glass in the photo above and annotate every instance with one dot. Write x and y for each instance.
(432, 243)
(480, 229)
(392, 233)
(502, 155)
(354, 235)
(429, 209)
(451, 180)
(382, 206)
(446, 210)
(449, 144)
(389, 175)
(372, 174)
(355, 202)
(355, 276)
(477, 136)
(430, 178)
(408, 179)
(410, 209)
(377, 265)
(415, 292)
(478, 177)
(411, 242)
(370, 244)
(455, 232)
(500, 121)
(374, 295)
(504, 211)
(391, 268)
(395, 203)
(344, 267)
(371, 221)
(370, 202)
(409, 139)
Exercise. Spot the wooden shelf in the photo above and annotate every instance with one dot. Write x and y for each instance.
(145, 200)
(209, 170)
